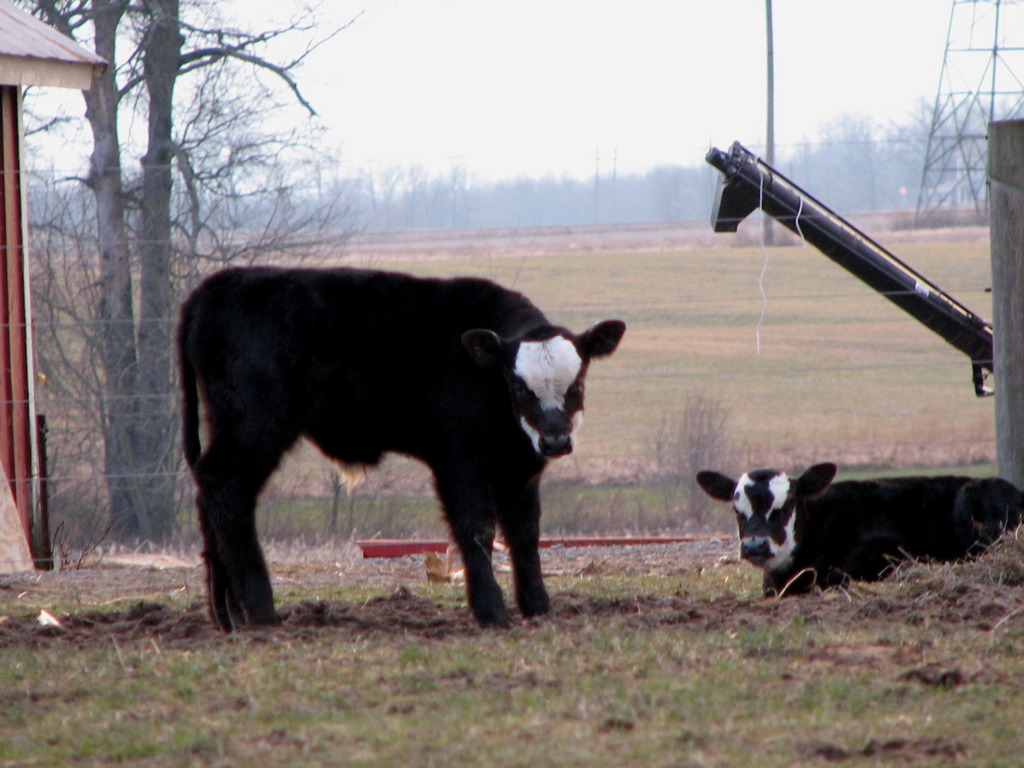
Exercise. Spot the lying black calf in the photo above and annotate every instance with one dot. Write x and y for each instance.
(808, 531)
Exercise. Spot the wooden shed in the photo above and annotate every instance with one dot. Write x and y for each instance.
(31, 53)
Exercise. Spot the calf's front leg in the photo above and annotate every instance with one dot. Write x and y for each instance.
(519, 515)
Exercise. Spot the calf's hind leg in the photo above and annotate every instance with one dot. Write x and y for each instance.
(224, 609)
(229, 480)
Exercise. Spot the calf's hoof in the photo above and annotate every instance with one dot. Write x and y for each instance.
(492, 616)
(533, 601)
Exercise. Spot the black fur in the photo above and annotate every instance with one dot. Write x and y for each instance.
(858, 529)
(984, 510)
(362, 363)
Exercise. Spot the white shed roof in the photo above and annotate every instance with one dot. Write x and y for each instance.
(32, 53)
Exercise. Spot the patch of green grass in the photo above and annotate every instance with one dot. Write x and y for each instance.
(604, 691)
(284, 516)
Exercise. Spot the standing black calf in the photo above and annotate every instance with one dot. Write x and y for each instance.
(804, 531)
(463, 374)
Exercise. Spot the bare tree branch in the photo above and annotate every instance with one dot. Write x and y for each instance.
(240, 51)
(210, 169)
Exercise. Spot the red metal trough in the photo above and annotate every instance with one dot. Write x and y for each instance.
(402, 547)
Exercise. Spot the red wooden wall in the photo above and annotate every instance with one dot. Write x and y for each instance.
(15, 423)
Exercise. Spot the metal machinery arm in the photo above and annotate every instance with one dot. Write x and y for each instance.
(747, 182)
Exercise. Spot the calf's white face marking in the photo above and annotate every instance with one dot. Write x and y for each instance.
(548, 369)
(778, 486)
(783, 552)
(767, 528)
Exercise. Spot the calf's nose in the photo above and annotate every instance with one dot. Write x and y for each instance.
(555, 445)
(755, 549)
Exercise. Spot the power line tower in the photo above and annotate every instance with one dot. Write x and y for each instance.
(981, 81)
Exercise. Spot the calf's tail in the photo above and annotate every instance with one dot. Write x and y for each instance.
(190, 394)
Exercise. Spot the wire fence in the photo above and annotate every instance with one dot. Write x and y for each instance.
(793, 362)
(633, 476)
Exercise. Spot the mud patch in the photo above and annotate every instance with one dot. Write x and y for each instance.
(404, 614)
(923, 751)
(144, 605)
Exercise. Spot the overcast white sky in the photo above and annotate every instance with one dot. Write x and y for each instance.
(544, 87)
(554, 87)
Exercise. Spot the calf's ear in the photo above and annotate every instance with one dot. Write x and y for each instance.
(816, 479)
(716, 485)
(602, 339)
(484, 347)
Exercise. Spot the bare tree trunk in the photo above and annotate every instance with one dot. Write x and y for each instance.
(117, 338)
(154, 438)
(138, 405)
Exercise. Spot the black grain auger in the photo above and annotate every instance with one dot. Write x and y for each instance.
(747, 182)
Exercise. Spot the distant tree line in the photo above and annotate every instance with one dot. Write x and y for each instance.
(854, 165)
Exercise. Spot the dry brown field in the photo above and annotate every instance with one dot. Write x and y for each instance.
(808, 362)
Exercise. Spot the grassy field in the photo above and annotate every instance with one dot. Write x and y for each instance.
(644, 661)
(678, 665)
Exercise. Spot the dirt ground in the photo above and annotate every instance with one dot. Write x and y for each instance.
(125, 602)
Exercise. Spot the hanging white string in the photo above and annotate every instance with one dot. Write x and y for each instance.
(803, 241)
(764, 269)
(764, 264)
